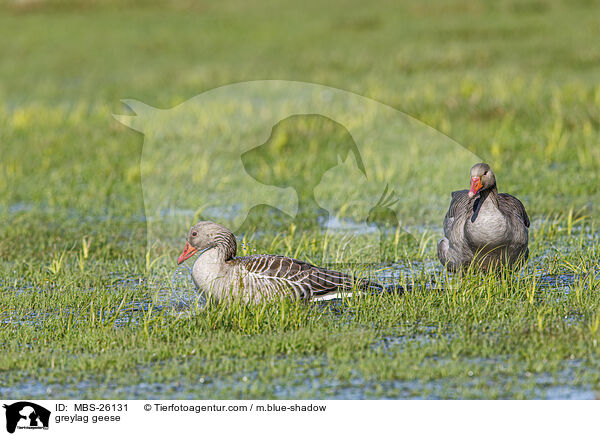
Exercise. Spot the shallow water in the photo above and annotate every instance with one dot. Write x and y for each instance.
(180, 296)
(177, 296)
(314, 381)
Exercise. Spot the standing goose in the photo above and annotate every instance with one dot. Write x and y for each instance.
(221, 275)
(484, 226)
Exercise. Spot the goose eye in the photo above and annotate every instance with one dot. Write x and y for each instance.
(194, 233)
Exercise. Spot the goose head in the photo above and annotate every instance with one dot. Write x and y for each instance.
(482, 178)
(206, 235)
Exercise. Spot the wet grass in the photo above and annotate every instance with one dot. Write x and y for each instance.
(107, 331)
(83, 311)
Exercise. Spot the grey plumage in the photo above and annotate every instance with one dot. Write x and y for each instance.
(221, 275)
(483, 226)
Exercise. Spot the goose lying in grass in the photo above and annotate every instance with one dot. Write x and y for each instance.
(483, 226)
(221, 275)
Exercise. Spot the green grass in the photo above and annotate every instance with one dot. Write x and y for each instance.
(515, 83)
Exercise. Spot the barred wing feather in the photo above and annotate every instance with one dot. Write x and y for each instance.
(305, 280)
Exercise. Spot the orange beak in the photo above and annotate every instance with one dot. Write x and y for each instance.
(188, 251)
(475, 186)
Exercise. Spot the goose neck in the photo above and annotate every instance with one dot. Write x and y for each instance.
(214, 255)
(489, 197)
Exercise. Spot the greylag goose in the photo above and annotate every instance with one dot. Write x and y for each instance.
(220, 275)
(484, 226)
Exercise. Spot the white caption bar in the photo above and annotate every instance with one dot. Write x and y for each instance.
(23, 417)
